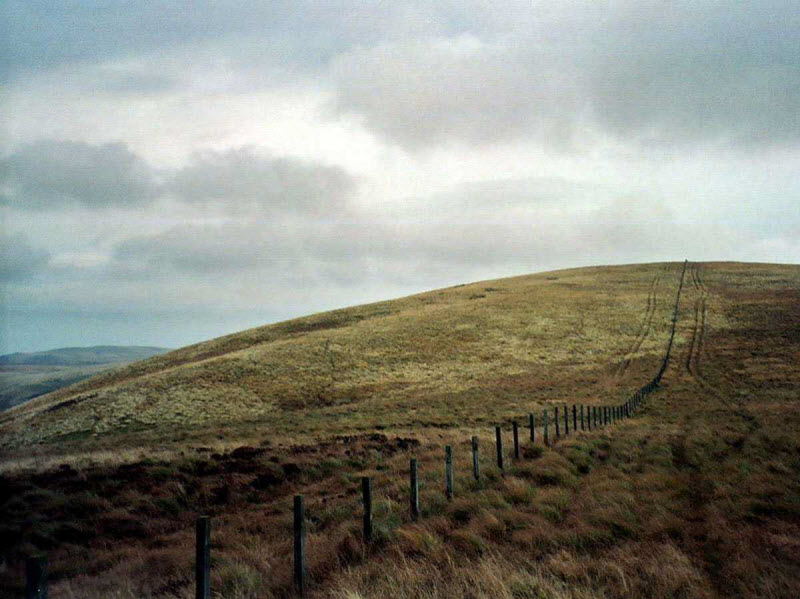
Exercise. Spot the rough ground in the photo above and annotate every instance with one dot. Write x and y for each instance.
(697, 496)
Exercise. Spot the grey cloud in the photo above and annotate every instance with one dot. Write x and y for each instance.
(19, 258)
(350, 254)
(422, 93)
(204, 250)
(281, 185)
(53, 173)
(642, 72)
(302, 33)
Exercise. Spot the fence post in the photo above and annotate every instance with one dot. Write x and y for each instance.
(583, 424)
(515, 432)
(546, 435)
(555, 413)
(476, 472)
(202, 561)
(594, 413)
(448, 472)
(499, 442)
(574, 418)
(36, 577)
(566, 421)
(366, 494)
(532, 425)
(299, 546)
(414, 490)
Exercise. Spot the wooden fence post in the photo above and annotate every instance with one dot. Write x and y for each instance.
(515, 432)
(476, 472)
(448, 472)
(555, 413)
(36, 577)
(583, 423)
(366, 494)
(202, 561)
(566, 421)
(499, 442)
(532, 426)
(546, 435)
(594, 414)
(414, 490)
(574, 418)
(299, 546)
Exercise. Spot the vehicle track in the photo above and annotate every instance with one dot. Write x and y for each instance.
(693, 362)
(693, 358)
(644, 328)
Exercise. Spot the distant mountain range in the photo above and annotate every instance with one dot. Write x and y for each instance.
(24, 376)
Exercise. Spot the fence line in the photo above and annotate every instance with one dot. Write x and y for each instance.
(36, 566)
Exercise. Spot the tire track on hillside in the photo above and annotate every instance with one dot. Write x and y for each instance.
(693, 358)
(694, 363)
(644, 328)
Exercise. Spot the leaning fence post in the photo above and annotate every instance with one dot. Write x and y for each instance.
(515, 432)
(202, 562)
(299, 546)
(546, 435)
(414, 490)
(566, 421)
(448, 472)
(36, 577)
(499, 442)
(532, 425)
(366, 494)
(476, 472)
(583, 424)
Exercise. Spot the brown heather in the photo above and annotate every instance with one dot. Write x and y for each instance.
(698, 495)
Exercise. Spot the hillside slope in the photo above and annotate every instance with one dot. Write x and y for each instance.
(696, 496)
(464, 354)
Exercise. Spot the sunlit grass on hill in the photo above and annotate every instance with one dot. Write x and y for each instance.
(471, 353)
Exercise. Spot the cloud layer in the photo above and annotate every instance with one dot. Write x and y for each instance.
(222, 164)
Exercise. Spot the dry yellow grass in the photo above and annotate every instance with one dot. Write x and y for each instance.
(452, 357)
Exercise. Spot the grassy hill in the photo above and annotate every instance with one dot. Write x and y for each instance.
(698, 495)
(27, 375)
(467, 354)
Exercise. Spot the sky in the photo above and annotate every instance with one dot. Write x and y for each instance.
(172, 171)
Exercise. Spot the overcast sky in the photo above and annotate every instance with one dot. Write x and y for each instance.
(175, 170)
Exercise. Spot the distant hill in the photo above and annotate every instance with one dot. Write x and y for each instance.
(24, 376)
(82, 356)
